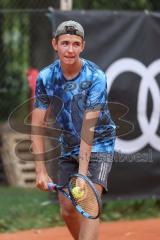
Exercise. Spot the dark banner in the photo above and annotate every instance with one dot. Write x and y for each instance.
(126, 46)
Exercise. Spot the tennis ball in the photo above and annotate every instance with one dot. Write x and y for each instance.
(77, 192)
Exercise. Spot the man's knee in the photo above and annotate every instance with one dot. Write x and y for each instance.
(67, 210)
(66, 207)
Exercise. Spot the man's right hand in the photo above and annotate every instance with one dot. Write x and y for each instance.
(42, 180)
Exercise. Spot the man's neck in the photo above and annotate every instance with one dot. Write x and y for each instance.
(71, 71)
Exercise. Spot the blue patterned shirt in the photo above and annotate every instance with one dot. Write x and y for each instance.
(69, 99)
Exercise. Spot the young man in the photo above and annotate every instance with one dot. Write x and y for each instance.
(75, 89)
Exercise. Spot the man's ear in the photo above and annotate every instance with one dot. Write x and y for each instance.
(54, 44)
(83, 46)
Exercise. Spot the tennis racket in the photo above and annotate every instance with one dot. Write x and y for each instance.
(82, 193)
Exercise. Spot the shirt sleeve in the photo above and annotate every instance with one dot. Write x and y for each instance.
(97, 95)
(41, 98)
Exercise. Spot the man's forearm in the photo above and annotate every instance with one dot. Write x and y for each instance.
(84, 157)
(38, 151)
(37, 138)
(87, 135)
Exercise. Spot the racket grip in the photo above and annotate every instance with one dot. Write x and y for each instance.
(52, 186)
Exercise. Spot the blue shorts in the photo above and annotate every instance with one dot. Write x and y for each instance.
(98, 170)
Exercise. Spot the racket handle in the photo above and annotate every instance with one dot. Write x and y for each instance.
(51, 186)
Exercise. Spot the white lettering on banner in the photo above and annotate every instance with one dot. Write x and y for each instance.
(148, 82)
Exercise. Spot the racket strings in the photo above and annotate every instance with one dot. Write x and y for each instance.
(88, 201)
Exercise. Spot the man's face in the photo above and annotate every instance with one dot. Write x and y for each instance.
(68, 48)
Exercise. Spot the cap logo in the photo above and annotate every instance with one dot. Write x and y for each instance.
(71, 30)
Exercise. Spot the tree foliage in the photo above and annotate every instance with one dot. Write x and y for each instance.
(152, 5)
(117, 5)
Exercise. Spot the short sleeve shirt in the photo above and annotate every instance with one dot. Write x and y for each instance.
(69, 99)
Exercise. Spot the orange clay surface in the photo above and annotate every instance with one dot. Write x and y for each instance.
(121, 230)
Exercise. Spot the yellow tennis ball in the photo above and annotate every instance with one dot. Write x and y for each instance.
(77, 192)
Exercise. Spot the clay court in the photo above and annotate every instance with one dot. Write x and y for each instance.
(122, 230)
